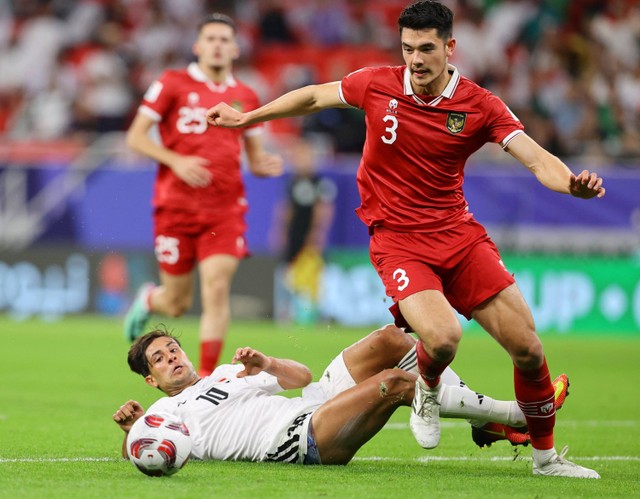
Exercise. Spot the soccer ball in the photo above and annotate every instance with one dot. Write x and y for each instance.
(158, 444)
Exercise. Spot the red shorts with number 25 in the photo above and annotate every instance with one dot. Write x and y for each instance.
(182, 239)
(462, 262)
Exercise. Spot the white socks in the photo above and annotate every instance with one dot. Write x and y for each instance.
(542, 457)
(458, 401)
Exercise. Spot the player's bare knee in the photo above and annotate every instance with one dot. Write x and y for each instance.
(528, 356)
(443, 348)
(177, 308)
(392, 339)
(443, 354)
(441, 343)
(216, 290)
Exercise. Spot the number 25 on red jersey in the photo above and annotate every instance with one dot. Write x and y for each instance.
(192, 120)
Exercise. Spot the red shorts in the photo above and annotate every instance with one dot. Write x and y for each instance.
(462, 262)
(181, 239)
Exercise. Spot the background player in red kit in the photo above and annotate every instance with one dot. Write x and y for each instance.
(199, 198)
(423, 121)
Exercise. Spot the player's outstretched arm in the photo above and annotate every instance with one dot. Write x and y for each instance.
(305, 100)
(190, 169)
(552, 172)
(290, 374)
(125, 416)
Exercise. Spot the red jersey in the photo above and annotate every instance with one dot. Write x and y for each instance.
(412, 169)
(178, 102)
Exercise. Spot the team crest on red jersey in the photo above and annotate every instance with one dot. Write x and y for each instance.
(455, 122)
(193, 99)
(237, 105)
(392, 108)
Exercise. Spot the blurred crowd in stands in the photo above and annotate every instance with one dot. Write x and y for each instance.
(570, 69)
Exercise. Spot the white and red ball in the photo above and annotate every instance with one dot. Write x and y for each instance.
(159, 444)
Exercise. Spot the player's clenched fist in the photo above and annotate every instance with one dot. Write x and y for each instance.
(128, 414)
(224, 115)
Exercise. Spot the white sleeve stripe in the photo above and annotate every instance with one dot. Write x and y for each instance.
(147, 111)
(341, 96)
(505, 142)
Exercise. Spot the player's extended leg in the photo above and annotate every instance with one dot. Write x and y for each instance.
(216, 274)
(491, 420)
(438, 328)
(381, 349)
(486, 433)
(508, 319)
(172, 298)
(430, 315)
(457, 400)
(346, 422)
(389, 347)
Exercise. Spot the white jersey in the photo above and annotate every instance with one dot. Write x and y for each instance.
(233, 418)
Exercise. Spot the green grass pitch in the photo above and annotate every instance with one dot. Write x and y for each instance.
(61, 382)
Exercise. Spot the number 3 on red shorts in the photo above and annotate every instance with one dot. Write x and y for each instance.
(401, 276)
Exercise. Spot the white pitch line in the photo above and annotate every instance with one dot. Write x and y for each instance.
(422, 459)
(59, 459)
(595, 423)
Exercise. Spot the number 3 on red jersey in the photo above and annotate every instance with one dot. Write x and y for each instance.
(391, 130)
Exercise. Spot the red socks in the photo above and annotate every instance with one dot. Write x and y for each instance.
(535, 396)
(209, 355)
(429, 369)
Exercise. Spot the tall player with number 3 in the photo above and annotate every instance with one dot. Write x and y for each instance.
(199, 198)
(423, 121)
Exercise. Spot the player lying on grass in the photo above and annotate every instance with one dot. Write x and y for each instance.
(235, 414)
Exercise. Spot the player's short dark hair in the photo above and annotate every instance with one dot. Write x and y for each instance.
(217, 17)
(137, 356)
(428, 14)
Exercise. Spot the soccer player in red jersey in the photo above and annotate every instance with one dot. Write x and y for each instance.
(423, 121)
(199, 198)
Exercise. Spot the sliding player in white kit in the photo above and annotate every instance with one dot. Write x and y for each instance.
(235, 414)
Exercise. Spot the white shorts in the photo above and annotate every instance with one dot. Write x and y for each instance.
(336, 378)
(297, 444)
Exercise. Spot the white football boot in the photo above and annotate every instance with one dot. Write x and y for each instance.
(425, 414)
(559, 466)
